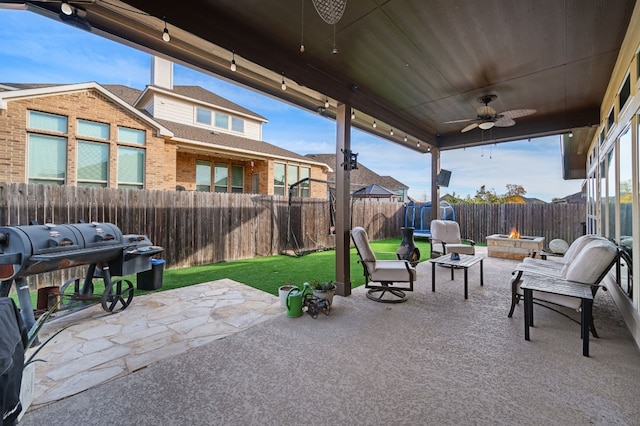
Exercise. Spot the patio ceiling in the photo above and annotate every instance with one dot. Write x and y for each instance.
(412, 65)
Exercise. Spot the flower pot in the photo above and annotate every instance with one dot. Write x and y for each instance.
(282, 294)
(325, 294)
(27, 388)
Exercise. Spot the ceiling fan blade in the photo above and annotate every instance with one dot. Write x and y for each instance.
(464, 120)
(470, 127)
(517, 113)
(504, 122)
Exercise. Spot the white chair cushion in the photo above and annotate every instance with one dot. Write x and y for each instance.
(361, 240)
(392, 270)
(591, 262)
(445, 230)
(460, 249)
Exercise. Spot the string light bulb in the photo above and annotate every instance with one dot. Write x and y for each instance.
(391, 132)
(405, 138)
(165, 34)
(326, 102)
(353, 114)
(374, 124)
(418, 144)
(233, 62)
(66, 8)
(571, 133)
(284, 85)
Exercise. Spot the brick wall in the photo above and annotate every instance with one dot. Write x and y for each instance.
(87, 105)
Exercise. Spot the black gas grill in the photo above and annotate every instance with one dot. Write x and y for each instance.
(34, 249)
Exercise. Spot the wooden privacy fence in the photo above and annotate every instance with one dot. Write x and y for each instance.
(564, 221)
(194, 228)
(197, 228)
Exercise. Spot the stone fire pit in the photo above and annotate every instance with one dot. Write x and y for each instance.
(501, 245)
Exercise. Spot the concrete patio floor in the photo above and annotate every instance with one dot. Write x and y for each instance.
(224, 353)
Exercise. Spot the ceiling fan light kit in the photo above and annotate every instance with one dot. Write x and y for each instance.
(487, 118)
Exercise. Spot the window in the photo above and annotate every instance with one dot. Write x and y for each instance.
(91, 129)
(278, 178)
(221, 177)
(237, 179)
(203, 116)
(305, 187)
(133, 136)
(611, 193)
(286, 175)
(625, 92)
(130, 167)
(47, 163)
(203, 176)
(93, 161)
(625, 195)
(222, 120)
(237, 124)
(610, 120)
(50, 122)
(292, 177)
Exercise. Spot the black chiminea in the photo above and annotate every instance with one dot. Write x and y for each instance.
(408, 250)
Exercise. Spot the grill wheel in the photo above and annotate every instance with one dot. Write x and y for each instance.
(120, 292)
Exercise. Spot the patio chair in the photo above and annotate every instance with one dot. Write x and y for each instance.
(589, 262)
(445, 239)
(384, 272)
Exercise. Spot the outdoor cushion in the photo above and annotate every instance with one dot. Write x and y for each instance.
(590, 263)
(445, 238)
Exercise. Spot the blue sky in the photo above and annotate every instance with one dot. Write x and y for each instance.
(34, 49)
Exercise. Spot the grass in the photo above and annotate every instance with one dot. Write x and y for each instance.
(269, 273)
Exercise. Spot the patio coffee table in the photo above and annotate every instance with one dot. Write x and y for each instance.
(465, 261)
(564, 288)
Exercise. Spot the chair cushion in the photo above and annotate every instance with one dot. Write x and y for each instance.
(577, 246)
(361, 240)
(392, 270)
(445, 230)
(591, 262)
(460, 249)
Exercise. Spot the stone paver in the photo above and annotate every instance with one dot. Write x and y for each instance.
(99, 346)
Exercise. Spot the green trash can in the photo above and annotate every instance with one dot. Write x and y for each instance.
(151, 279)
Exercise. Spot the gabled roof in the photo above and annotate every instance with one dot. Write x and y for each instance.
(362, 176)
(374, 191)
(207, 139)
(26, 90)
(198, 95)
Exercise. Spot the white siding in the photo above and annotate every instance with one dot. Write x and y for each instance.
(172, 109)
(253, 130)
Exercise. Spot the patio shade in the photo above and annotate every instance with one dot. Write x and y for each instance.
(374, 191)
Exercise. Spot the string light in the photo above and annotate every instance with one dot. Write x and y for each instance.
(374, 124)
(66, 8)
(326, 102)
(418, 144)
(284, 85)
(405, 138)
(233, 61)
(353, 114)
(571, 133)
(391, 132)
(165, 34)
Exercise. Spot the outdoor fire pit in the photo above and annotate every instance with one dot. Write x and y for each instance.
(513, 246)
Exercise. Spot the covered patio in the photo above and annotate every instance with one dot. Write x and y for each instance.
(435, 359)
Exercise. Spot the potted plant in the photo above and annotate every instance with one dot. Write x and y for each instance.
(28, 372)
(323, 289)
(283, 291)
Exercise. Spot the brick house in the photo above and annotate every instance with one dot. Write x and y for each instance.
(162, 137)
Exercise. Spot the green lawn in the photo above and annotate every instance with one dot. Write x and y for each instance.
(269, 273)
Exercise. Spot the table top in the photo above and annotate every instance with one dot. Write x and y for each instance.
(557, 286)
(465, 261)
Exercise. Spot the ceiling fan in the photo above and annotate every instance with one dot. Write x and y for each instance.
(487, 117)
